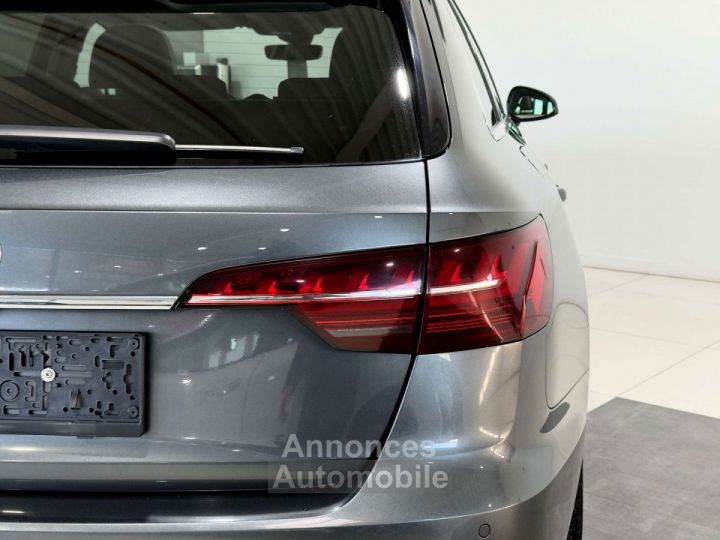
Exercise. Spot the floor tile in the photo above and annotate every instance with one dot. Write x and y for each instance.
(609, 520)
(682, 289)
(650, 473)
(673, 529)
(618, 362)
(596, 399)
(659, 317)
(599, 280)
(690, 386)
(605, 519)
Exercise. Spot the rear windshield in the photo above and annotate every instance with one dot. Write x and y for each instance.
(330, 79)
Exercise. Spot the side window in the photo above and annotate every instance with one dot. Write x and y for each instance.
(492, 104)
(320, 68)
(82, 76)
(239, 57)
(18, 35)
(236, 56)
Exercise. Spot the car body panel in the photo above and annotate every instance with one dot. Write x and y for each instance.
(481, 184)
(485, 183)
(487, 418)
(227, 387)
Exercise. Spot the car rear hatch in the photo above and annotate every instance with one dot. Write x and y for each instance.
(105, 244)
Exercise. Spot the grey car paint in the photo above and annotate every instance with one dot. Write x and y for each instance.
(155, 231)
(245, 367)
(485, 183)
(513, 461)
(508, 475)
(218, 381)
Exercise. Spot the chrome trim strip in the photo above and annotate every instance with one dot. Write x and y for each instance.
(293, 150)
(16, 301)
(367, 296)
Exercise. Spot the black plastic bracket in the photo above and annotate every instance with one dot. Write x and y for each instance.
(76, 384)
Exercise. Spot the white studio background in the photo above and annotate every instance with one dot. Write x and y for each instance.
(637, 143)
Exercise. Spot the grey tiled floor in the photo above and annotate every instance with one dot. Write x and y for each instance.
(651, 473)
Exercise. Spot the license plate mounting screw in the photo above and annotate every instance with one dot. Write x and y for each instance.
(48, 375)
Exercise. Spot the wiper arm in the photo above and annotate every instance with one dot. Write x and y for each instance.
(42, 139)
(223, 149)
(31, 140)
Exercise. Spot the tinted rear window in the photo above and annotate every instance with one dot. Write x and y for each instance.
(330, 79)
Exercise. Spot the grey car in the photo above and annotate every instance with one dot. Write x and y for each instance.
(279, 270)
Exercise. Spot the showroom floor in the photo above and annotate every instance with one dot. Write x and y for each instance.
(656, 340)
(652, 458)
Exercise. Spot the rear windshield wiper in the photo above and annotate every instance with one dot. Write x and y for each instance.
(53, 145)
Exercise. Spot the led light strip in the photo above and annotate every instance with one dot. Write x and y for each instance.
(467, 287)
(367, 296)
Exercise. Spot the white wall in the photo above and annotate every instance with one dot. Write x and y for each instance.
(637, 143)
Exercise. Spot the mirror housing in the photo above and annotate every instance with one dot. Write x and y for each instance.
(529, 105)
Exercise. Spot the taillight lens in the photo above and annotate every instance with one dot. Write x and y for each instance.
(363, 302)
(480, 292)
(488, 290)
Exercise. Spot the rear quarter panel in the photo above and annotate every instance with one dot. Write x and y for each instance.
(485, 183)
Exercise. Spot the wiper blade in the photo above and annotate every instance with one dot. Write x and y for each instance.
(52, 143)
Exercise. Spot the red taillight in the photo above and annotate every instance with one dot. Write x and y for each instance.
(488, 290)
(362, 302)
(480, 292)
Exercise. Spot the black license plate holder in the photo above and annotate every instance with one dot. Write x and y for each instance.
(74, 384)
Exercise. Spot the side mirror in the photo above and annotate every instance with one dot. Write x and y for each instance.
(529, 105)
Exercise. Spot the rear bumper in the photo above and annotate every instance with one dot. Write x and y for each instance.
(544, 517)
(511, 463)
